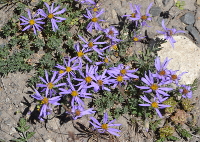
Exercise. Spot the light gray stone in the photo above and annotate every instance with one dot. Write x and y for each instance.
(193, 31)
(188, 18)
(197, 19)
(185, 58)
(155, 11)
(190, 5)
(165, 2)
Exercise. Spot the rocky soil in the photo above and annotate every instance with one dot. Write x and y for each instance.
(15, 98)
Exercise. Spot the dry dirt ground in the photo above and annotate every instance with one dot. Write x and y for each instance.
(15, 100)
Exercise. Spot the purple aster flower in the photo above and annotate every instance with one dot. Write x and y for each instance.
(168, 33)
(79, 111)
(123, 70)
(88, 77)
(111, 33)
(32, 22)
(68, 68)
(102, 128)
(173, 78)
(100, 81)
(135, 15)
(118, 80)
(105, 60)
(155, 104)
(89, 2)
(161, 68)
(186, 91)
(147, 16)
(81, 54)
(76, 94)
(92, 45)
(45, 102)
(154, 87)
(137, 38)
(94, 20)
(49, 85)
(51, 15)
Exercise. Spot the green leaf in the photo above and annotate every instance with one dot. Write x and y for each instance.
(29, 134)
(22, 122)
(26, 128)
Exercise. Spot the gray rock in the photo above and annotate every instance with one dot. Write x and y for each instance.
(193, 31)
(165, 2)
(188, 18)
(159, 20)
(155, 11)
(197, 17)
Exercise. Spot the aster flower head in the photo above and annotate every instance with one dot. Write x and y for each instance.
(123, 71)
(186, 91)
(118, 79)
(168, 33)
(135, 15)
(32, 22)
(93, 44)
(154, 86)
(161, 68)
(100, 81)
(68, 68)
(137, 38)
(75, 94)
(102, 128)
(105, 60)
(79, 111)
(111, 33)
(156, 104)
(89, 2)
(147, 16)
(94, 20)
(80, 54)
(52, 15)
(87, 77)
(174, 78)
(45, 109)
(50, 84)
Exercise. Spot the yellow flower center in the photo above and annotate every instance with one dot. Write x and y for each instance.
(114, 47)
(162, 72)
(31, 22)
(100, 82)
(68, 69)
(50, 85)
(123, 71)
(50, 16)
(74, 93)
(95, 9)
(144, 17)
(104, 126)
(78, 112)
(154, 87)
(90, 44)
(94, 19)
(120, 78)
(154, 105)
(174, 77)
(185, 91)
(106, 60)
(61, 71)
(133, 15)
(135, 39)
(88, 79)
(44, 101)
(80, 54)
